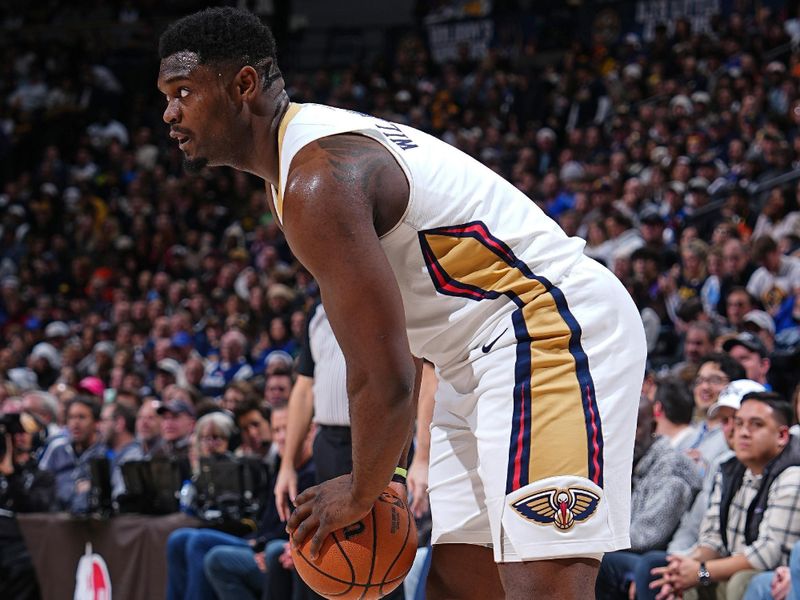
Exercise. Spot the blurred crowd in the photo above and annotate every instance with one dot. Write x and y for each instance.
(135, 298)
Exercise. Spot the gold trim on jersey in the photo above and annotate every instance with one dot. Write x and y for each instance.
(291, 113)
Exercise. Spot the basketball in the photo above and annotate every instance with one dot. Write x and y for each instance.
(367, 559)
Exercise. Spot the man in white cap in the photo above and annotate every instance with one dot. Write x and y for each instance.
(57, 333)
(686, 536)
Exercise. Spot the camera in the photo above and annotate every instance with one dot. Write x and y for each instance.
(11, 423)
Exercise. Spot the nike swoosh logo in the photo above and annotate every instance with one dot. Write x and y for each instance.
(487, 347)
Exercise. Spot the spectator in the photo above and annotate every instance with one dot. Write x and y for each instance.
(673, 407)
(168, 372)
(177, 425)
(214, 431)
(748, 350)
(252, 420)
(664, 485)
(716, 371)
(68, 458)
(698, 342)
(117, 430)
(277, 388)
(738, 303)
(736, 542)
(231, 366)
(762, 325)
(736, 269)
(148, 426)
(777, 276)
(237, 393)
(188, 550)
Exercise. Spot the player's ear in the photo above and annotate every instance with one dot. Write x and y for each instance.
(247, 83)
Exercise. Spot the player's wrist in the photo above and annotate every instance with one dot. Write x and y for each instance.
(400, 475)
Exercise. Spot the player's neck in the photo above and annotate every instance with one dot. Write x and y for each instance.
(261, 158)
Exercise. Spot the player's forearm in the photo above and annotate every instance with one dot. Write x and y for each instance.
(301, 411)
(381, 416)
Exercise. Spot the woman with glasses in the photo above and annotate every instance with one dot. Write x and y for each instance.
(186, 547)
(716, 371)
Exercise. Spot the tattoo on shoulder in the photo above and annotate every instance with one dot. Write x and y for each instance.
(352, 161)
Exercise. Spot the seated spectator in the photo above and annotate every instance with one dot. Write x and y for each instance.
(253, 422)
(231, 365)
(777, 276)
(177, 424)
(716, 371)
(736, 269)
(697, 343)
(214, 431)
(277, 388)
(67, 458)
(117, 430)
(738, 303)
(753, 518)
(148, 426)
(748, 350)
(24, 488)
(672, 411)
(188, 549)
(237, 393)
(663, 486)
(762, 325)
(168, 371)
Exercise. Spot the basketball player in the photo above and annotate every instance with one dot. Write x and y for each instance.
(421, 251)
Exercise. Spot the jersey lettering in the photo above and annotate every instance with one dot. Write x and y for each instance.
(393, 133)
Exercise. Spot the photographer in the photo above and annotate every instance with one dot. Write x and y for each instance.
(23, 488)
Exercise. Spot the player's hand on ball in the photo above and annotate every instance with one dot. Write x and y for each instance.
(321, 509)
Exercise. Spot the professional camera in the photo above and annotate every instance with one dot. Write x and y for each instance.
(229, 493)
(11, 423)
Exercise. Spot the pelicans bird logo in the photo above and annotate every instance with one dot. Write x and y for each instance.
(561, 507)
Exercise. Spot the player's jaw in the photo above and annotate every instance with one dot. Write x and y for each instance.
(187, 141)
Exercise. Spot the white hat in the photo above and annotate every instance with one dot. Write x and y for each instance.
(56, 329)
(683, 101)
(169, 365)
(48, 352)
(732, 394)
(760, 319)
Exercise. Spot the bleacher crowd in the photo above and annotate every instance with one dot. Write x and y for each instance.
(145, 312)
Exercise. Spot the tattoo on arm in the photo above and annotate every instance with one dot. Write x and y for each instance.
(354, 162)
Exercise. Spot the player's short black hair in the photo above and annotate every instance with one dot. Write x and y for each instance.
(222, 35)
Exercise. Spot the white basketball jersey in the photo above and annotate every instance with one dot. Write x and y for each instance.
(470, 248)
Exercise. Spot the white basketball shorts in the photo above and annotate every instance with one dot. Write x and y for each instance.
(532, 435)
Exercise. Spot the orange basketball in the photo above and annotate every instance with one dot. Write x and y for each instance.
(365, 560)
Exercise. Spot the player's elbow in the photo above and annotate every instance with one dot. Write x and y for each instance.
(400, 392)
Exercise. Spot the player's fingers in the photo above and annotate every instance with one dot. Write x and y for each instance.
(300, 514)
(304, 530)
(306, 496)
(316, 543)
